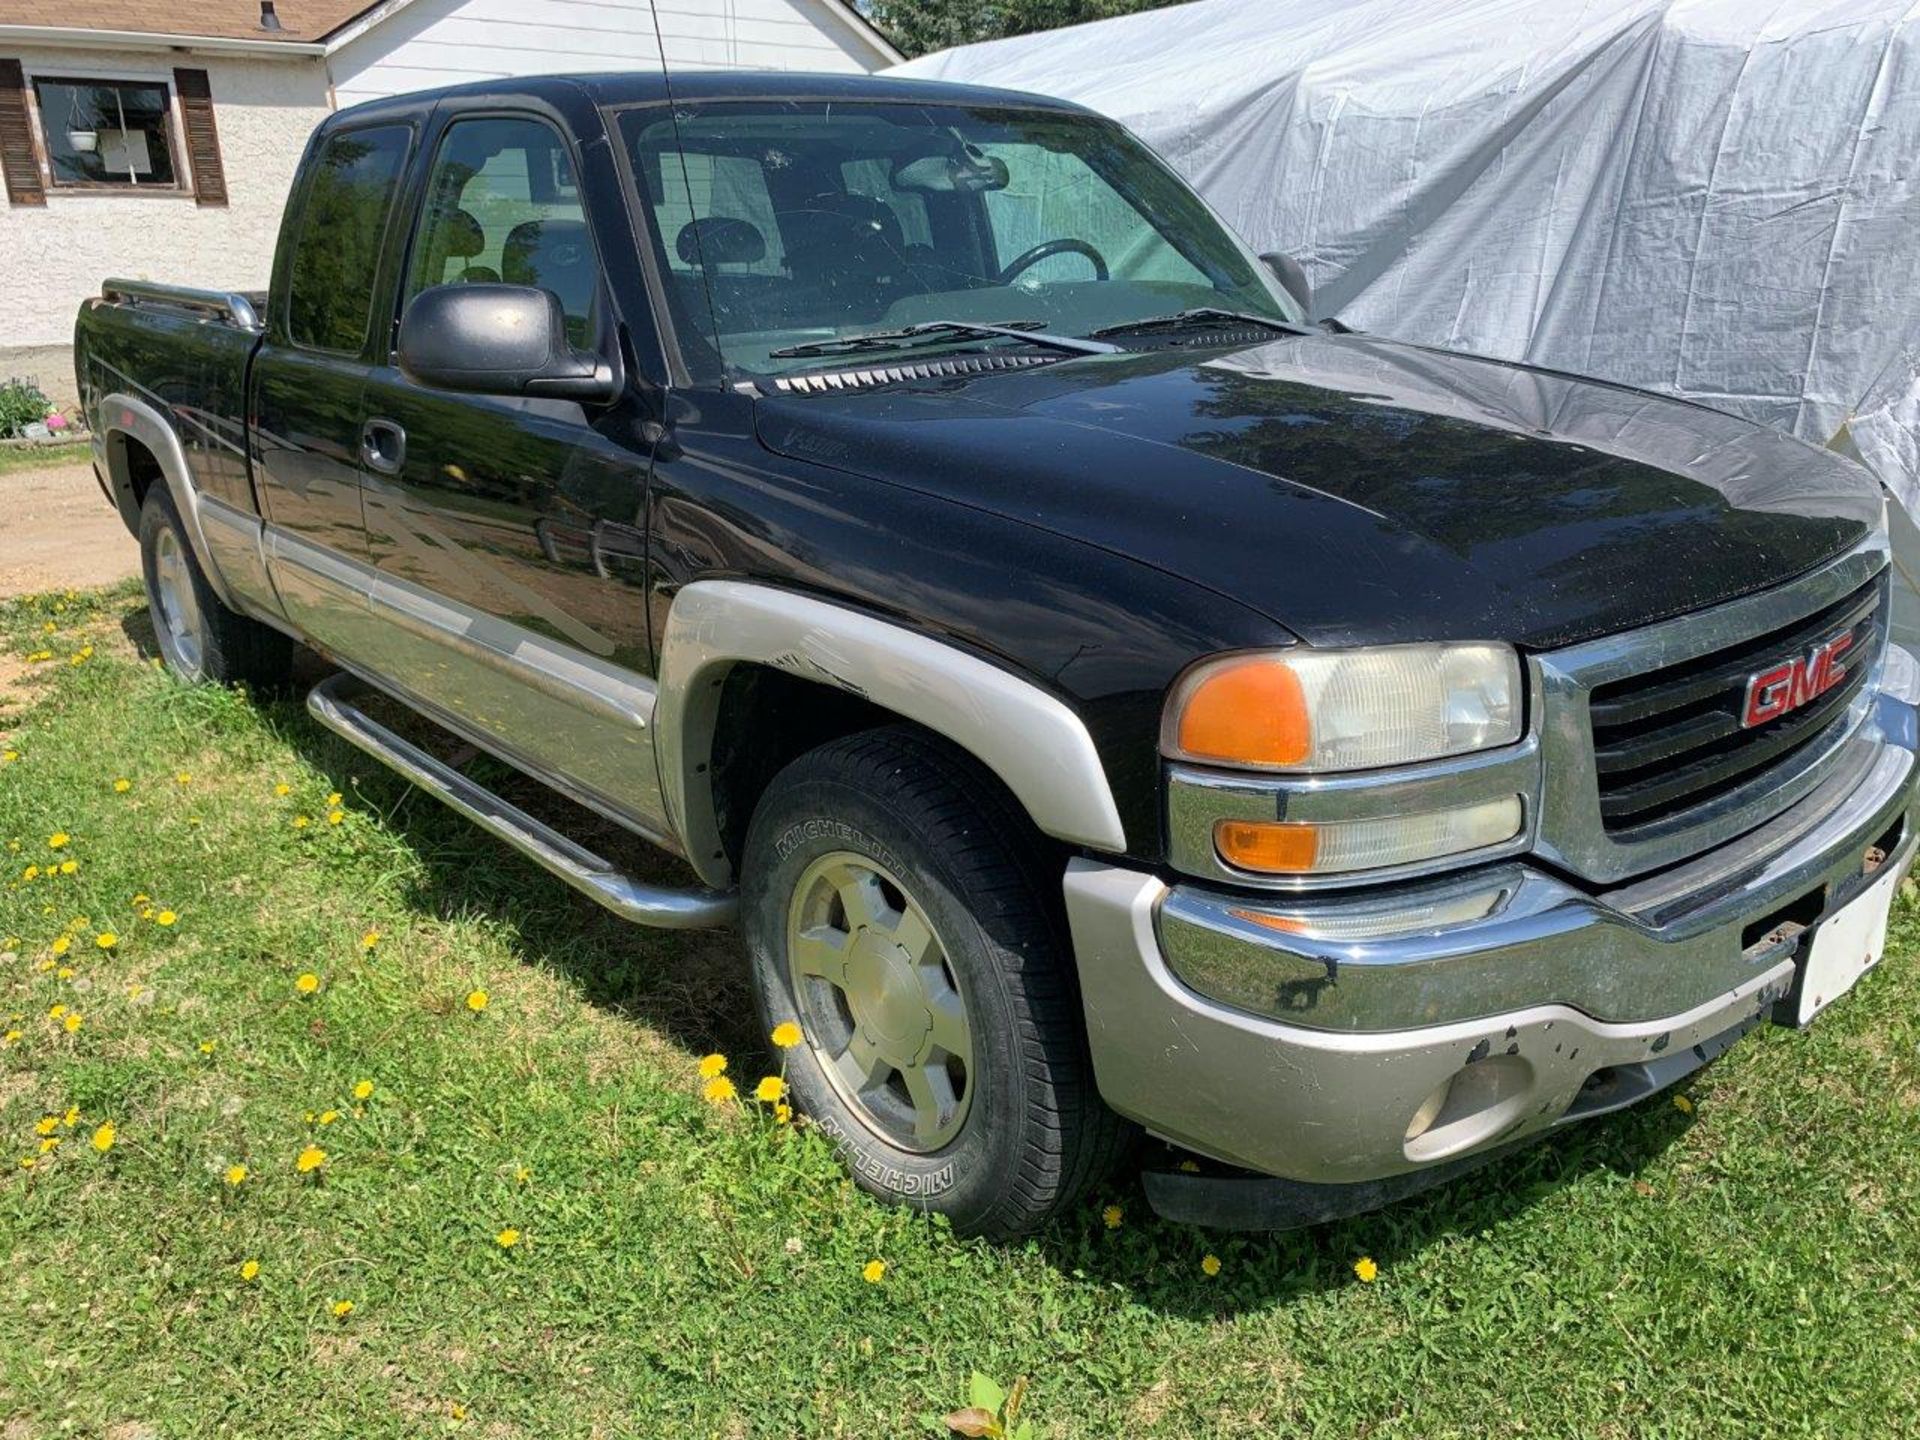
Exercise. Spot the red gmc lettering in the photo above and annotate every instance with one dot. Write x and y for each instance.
(1792, 683)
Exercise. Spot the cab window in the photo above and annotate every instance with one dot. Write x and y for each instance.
(503, 207)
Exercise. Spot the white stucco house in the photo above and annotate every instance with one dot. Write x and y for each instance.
(158, 140)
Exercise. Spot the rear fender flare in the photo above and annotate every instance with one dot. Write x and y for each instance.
(122, 417)
(1029, 738)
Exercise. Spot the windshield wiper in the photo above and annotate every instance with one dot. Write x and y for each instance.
(932, 331)
(1201, 315)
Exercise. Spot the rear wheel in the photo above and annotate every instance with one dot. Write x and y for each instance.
(900, 909)
(199, 637)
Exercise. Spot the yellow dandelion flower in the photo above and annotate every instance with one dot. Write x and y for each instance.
(104, 1136)
(12, 1037)
(457, 1411)
(58, 840)
(49, 1145)
(1113, 1215)
(72, 1117)
(782, 1113)
(771, 1090)
(507, 1238)
(249, 1269)
(236, 1174)
(1366, 1270)
(786, 1035)
(73, 1022)
(712, 1065)
(1683, 1104)
(523, 1174)
(327, 1117)
(32, 872)
(333, 800)
(27, 1162)
(62, 945)
(106, 940)
(207, 1047)
(1210, 1264)
(370, 939)
(307, 982)
(85, 652)
(476, 1000)
(300, 822)
(165, 917)
(67, 867)
(181, 777)
(342, 1309)
(334, 817)
(310, 1159)
(718, 1090)
(874, 1271)
(362, 1090)
(56, 1011)
(65, 972)
(7, 757)
(141, 899)
(122, 785)
(283, 789)
(46, 1125)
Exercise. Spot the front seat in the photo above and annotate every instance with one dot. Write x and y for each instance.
(556, 255)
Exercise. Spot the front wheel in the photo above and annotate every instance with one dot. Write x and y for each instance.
(200, 638)
(899, 908)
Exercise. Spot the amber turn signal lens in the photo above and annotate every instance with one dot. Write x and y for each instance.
(1249, 712)
(1275, 848)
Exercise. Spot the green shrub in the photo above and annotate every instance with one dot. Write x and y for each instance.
(21, 403)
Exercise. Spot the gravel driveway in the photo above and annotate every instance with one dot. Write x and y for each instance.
(57, 530)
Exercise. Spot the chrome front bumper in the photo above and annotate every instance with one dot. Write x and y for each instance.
(1336, 1061)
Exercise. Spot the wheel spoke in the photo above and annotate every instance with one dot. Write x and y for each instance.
(951, 1033)
(821, 950)
(860, 896)
(915, 936)
(931, 1092)
(860, 1064)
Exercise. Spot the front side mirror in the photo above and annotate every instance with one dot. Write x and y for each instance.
(1292, 278)
(498, 340)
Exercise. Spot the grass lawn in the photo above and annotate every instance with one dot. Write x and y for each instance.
(41, 457)
(1745, 1265)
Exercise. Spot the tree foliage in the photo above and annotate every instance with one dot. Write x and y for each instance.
(920, 26)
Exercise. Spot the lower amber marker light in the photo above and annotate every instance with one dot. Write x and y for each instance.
(1292, 847)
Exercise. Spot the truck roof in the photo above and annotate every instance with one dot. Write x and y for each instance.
(632, 87)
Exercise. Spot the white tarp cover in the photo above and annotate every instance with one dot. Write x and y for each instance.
(1708, 198)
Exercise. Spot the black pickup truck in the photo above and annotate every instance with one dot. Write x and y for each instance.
(1103, 698)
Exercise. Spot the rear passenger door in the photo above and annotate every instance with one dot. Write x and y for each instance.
(310, 375)
(508, 532)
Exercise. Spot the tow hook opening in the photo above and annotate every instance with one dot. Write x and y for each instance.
(1782, 927)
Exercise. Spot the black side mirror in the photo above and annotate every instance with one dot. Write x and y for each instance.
(498, 340)
(1292, 279)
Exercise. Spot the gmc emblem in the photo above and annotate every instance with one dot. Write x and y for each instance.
(1774, 691)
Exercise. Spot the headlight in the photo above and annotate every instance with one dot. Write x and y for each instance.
(1318, 710)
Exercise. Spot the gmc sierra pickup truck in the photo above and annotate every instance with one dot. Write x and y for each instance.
(1103, 698)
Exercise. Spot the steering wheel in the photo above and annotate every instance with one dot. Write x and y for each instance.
(1045, 248)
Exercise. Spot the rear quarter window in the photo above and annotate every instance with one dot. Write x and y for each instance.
(343, 223)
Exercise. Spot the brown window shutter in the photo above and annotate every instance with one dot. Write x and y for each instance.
(203, 140)
(17, 160)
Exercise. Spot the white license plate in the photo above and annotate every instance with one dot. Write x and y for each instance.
(1847, 945)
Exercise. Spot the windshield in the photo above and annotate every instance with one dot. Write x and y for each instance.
(782, 224)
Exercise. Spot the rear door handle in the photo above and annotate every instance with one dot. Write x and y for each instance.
(383, 446)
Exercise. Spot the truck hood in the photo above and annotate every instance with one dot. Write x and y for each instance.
(1359, 491)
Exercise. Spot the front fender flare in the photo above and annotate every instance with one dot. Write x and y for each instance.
(1029, 738)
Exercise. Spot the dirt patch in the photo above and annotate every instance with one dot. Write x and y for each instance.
(60, 531)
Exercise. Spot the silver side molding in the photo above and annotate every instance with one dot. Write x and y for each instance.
(1030, 739)
(656, 905)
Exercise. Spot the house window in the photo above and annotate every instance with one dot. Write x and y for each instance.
(107, 132)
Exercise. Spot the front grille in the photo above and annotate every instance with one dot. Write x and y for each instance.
(1668, 741)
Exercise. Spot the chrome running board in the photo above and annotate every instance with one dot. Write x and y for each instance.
(599, 879)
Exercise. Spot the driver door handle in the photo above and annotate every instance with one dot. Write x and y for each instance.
(383, 446)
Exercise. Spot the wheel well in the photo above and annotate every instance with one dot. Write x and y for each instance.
(769, 718)
(134, 470)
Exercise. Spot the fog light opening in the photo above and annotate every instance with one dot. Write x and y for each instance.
(1474, 1105)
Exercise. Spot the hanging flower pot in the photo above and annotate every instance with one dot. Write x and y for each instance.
(84, 142)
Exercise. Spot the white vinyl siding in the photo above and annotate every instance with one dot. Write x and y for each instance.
(449, 42)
